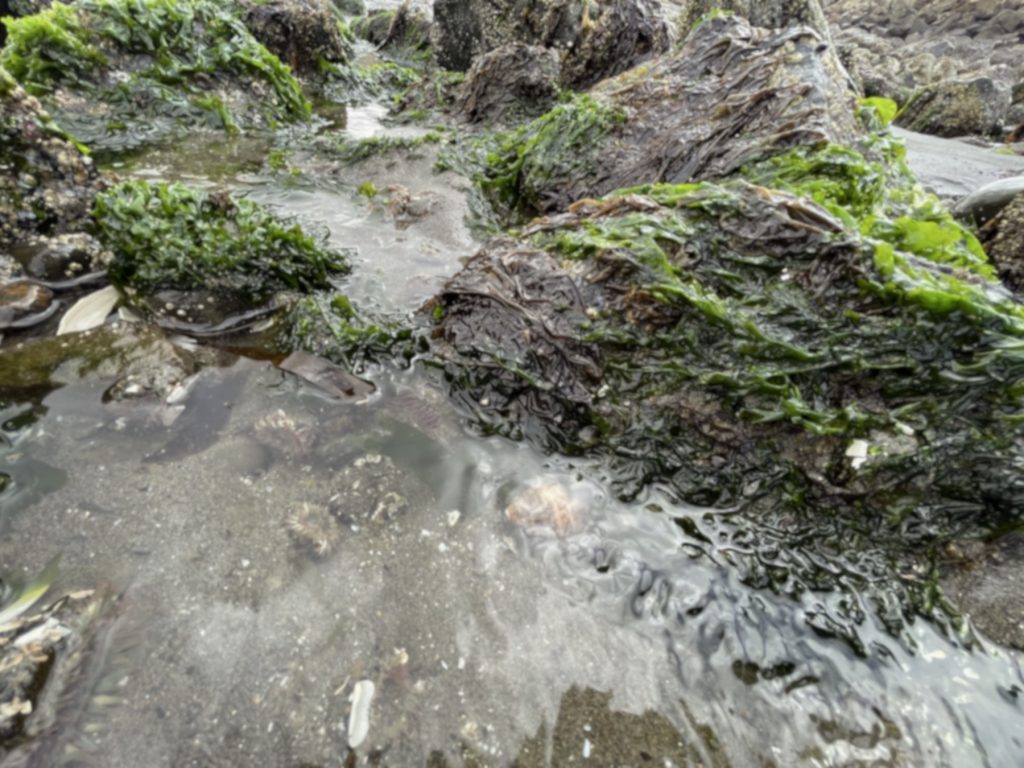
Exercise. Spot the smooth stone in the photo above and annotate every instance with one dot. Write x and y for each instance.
(24, 304)
(985, 203)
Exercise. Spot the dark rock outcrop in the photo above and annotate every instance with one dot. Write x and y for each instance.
(1003, 237)
(596, 40)
(957, 108)
(302, 33)
(47, 186)
(731, 94)
(773, 14)
(515, 80)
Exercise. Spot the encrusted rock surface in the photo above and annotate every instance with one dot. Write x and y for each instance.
(596, 40)
(47, 185)
(302, 33)
(515, 79)
(897, 47)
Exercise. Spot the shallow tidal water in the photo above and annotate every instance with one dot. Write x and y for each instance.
(254, 569)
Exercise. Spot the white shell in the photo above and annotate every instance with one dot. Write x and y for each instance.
(89, 311)
(359, 717)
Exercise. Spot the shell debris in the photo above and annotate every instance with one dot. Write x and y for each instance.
(359, 717)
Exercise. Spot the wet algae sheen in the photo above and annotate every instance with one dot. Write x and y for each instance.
(814, 348)
(119, 73)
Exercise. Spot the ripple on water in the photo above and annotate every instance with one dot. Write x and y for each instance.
(485, 640)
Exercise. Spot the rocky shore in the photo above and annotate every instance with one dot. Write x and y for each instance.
(705, 260)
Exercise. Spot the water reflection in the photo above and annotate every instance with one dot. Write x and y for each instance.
(490, 641)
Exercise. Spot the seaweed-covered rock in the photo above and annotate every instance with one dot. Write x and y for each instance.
(814, 344)
(1003, 237)
(515, 80)
(597, 40)
(302, 33)
(120, 73)
(774, 14)
(198, 260)
(406, 30)
(47, 185)
(731, 94)
(957, 108)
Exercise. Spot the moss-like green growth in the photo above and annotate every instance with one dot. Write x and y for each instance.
(360, 83)
(825, 352)
(884, 109)
(514, 170)
(172, 237)
(356, 151)
(148, 58)
(7, 83)
(328, 325)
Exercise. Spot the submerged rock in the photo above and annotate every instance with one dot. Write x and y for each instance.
(43, 654)
(730, 95)
(302, 33)
(596, 40)
(118, 74)
(515, 80)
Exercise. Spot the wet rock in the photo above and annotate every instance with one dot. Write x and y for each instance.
(350, 7)
(515, 80)
(712, 336)
(957, 108)
(983, 581)
(1003, 237)
(773, 14)
(596, 40)
(139, 360)
(613, 37)
(980, 206)
(62, 258)
(47, 185)
(24, 304)
(302, 33)
(731, 94)
(42, 651)
(406, 29)
(131, 75)
(203, 263)
(901, 47)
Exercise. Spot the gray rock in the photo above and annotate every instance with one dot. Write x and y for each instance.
(596, 40)
(300, 32)
(982, 205)
(984, 581)
(957, 108)
(773, 14)
(1003, 238)
(513, 80)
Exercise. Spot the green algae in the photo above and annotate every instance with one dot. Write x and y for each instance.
(169, 53)
(513, 170)
(172, 237)
(329, 326)
(373, 146)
